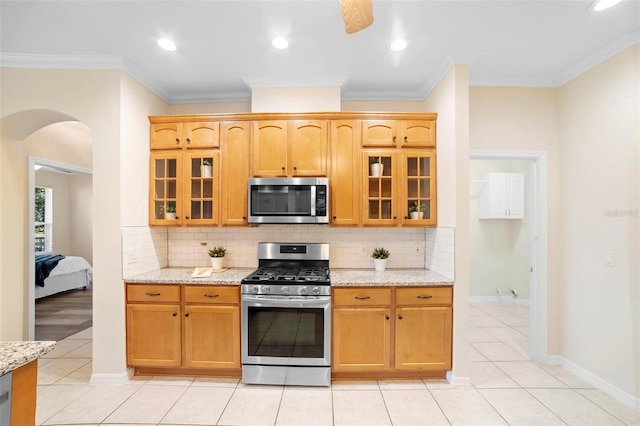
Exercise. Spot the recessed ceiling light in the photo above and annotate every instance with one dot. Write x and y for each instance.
(398, 45)
(280, 43)
(604, 4)
(167, 44)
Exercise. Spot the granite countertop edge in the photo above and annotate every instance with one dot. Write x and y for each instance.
(339, 277)
(14, 355)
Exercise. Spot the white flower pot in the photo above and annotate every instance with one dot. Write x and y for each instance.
(414, 215)
(217, 262)
(170, 216)
(206, 171)
(379, 264)
(377, 169)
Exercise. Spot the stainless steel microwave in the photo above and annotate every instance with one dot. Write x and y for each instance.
(288, 200)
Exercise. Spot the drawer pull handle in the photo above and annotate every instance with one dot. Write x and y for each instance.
(362, 297)
(152, 294)
(424, 297)
(211, 295)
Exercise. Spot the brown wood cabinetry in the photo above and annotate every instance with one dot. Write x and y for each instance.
(181, 327)
(341, 145)
(184, 187)
(392, 332)
(344, 176)
(177, 135)
(293, 148)
(235, 144)
(399, 133)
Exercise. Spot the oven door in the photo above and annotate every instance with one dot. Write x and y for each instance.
(286, 331)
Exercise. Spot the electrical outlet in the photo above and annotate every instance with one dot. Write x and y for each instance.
(609, 258)
(499, 292)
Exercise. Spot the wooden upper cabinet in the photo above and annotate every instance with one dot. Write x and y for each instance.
(417, 133)
(235, 143)
(201, 186)
(345, 178)
(270, 148)
(307, 148)
(185, 135)
(291, 148)
(399, 133)
(382, 133)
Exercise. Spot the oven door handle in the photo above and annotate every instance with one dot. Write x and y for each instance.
(287, 303)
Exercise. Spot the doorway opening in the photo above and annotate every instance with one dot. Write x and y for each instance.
(509, 264)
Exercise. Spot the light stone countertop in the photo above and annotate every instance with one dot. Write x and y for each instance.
(339, 277)
(14, 355)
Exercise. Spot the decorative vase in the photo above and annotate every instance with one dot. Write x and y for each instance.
(377, 169)
(415, 215)
(379, 264)
(170, 216)
(206, 171)
(217, 262)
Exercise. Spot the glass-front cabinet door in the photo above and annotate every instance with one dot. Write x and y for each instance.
(419, 187)
(379, 187)
(201, 186)
(166, 174)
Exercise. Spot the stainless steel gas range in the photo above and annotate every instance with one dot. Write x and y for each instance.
(286, 316)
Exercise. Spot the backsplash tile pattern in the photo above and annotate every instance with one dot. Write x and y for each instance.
(350, 248)
(440, 251)
(144, 249)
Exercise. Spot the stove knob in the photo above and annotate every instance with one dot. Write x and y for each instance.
(316, 290)
(285, 289)
(254, 289)
(303, 290)
(265, 289)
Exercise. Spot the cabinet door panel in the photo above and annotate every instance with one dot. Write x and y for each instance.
(166, 136)
(361, 339)
(379, 195)
(153, 335)
(270, 148)
(201, 135)
(345, 172)
(307, 140)
(418, 133)
(212, 336)
(236, 145)
(381, 133)
(418, 187)
(201, 186)
(423, 338)
(165, 175)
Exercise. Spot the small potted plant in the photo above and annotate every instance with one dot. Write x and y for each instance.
(380, 256)
(376, 166)
(207, 167)
(170, 213)
(424, 206)
(413, 210)
(217, 257)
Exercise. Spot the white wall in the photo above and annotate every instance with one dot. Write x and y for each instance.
(499, 247)
(600, 141)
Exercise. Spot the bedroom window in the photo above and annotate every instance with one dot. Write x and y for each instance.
(44, 219)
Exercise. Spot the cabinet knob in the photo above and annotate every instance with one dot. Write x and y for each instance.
(175, 314)
(177, 217)
(406, 217)
(295, 168)
(394, 138)
(186, 217)
(395, 217)
(405, 138)
(177, 141)
(283, 168)
(335, 217)
(244, 218)
(400, 317)
(386, 317)
(187, 314)
(189, 140)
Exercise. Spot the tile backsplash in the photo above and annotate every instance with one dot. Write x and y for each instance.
(146, 249)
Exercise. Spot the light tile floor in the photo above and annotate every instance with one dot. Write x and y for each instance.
(508, 388)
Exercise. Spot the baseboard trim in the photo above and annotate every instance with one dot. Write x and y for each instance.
(504, 299)
(458, 381)
(109, 378)
(597, 381)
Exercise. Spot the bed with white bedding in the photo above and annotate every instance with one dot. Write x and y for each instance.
(69, 273)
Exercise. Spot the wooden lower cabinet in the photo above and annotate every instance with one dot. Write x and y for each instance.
(391, 332)
(199, 332)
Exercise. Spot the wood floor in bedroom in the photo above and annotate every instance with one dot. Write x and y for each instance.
(63, 314)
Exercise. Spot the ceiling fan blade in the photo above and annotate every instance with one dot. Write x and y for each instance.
(357, 14)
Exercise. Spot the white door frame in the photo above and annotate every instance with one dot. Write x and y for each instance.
(538, 244)
(31, 185)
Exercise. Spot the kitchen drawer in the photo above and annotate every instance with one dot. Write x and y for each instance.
(361, 296)
(212, 294)
(153, 293)
(424, 296)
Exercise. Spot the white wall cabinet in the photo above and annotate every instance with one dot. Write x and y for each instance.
(502, 197)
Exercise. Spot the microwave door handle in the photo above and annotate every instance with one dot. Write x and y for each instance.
(313, 200)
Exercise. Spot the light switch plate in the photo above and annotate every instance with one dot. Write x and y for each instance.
(609, 258)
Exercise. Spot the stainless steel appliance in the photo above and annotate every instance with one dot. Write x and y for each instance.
(286, 316)
(288, 200)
